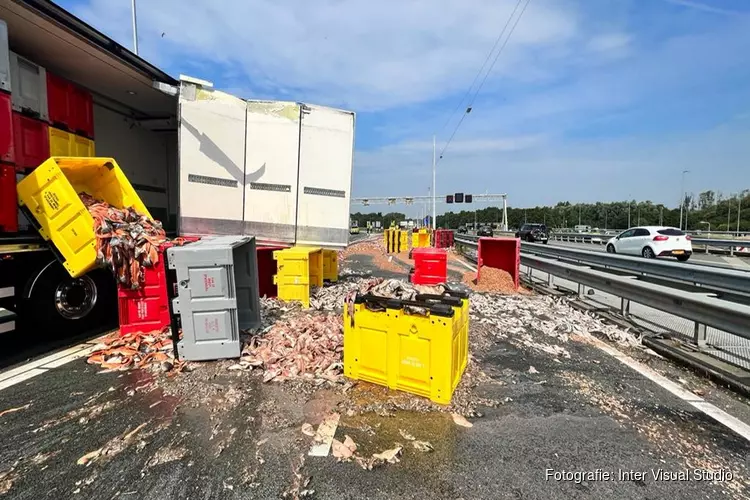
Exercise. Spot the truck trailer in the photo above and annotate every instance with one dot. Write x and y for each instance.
(203, 161)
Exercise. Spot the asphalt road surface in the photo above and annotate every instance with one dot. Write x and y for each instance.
(219, 433)
(741, 263)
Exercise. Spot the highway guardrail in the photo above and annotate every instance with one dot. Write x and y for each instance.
(701, 308)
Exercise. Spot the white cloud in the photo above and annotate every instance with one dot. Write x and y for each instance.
(371, 55)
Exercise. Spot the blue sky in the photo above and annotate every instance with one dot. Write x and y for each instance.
(590, 101)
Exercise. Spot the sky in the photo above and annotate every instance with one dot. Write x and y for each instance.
(588, 101)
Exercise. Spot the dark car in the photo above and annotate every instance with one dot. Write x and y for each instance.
(484, 231)
(533, 233)
(462, 230)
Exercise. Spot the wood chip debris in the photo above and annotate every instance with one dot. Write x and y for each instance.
(491, 280)
(136, 350)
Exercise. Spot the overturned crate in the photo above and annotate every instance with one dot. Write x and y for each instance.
(387, 342)
(48, 196)
(298, 269)
(217, 296)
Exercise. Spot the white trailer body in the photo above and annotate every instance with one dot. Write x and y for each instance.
(280, 171)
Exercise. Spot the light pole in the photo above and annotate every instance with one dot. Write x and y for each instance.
(707, 223)
(682, 195)
(638, 211)
(434, 147)
(739, 211)
(628, 212)
(135, 29)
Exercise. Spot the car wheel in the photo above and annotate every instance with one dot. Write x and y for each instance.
(683, 258)
(611, 248)
(648, 253)
(545, 242)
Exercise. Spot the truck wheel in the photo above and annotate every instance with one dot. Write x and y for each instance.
(55, 304)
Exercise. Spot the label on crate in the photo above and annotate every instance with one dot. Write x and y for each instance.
(52, 200)
(142, 309)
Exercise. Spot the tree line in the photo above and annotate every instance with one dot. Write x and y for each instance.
(708, 209)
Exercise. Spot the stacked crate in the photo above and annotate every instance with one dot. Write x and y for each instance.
(41, 115)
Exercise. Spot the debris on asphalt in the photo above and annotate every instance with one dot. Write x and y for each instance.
(308, 430)
(491, 280)
(324, 436)
(529, 320)
(153, 350)
(406, 435)
(306, 346)
(13, 410)
(113, 447)
(390, 456)
(461, 420)
(533, 370)
(423, 446)
(300, 484)
(343, 451)
(126, 241)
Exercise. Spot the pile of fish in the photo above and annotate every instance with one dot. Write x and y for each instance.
(306, 345)
(136, 350)
(530, 320)
(126, 240)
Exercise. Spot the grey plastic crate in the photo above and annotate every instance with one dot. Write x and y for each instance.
(217, 295)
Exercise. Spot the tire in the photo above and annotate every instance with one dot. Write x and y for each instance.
(683, 258)
(54, 304)
(530, 239)
(545, 241)
(611, 248)
(648, 253)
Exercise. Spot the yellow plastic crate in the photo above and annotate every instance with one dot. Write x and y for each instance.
(298, 269)
(404, 240)
(60, 143)
(49, 195)
(459, 301)
(417, 354)
(330, 265)
(420, 239)
(81, 146)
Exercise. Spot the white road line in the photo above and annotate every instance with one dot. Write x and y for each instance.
(20, 378)
(42, 365)
(701, 404)
(466, 265)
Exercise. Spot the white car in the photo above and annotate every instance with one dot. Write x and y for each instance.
(651, 242)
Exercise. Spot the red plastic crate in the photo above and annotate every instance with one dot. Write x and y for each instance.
(59, 95)
(146, 309)
(266, 270)
(31, 137)
(82, 112)
(8, 200)
(430, 266)
(500, 253)
(7, 146)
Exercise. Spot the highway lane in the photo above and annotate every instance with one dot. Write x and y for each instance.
(220, 433)
(741, 263)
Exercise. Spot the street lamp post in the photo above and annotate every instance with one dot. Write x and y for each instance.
(682, 196)
(739, 211)
(434, 148)
(707, 223)
(135, 28)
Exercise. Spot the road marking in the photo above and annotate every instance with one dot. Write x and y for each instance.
(21, 377)
(694, 400)
(31, 369)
